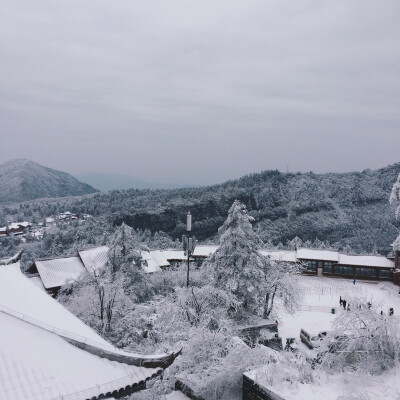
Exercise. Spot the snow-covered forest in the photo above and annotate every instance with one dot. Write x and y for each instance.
(348, 212)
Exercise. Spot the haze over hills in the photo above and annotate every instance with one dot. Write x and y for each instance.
(22, 180)
(109, 181)
(345, 209)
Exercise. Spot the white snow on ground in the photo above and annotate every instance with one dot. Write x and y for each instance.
(320, 296)
(331, 387)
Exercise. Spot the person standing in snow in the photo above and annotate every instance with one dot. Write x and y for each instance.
(340, 301)
(344, 304)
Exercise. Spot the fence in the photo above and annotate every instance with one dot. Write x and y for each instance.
(305, 307)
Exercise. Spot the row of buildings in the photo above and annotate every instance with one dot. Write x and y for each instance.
(314, 261)
(52, 273)
(15, 228)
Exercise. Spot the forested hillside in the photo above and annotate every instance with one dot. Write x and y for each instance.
(341, 208)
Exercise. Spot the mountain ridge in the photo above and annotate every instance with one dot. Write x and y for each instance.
(23, 180)
(349, 208)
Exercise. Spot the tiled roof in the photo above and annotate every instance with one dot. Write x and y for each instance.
(45, 366)
(204, 251)
(19, 294)
(280, 255)
(58, 271)
(159, 258)
(366, 261)
(37, 361)
(149, 265)
(94, 258)
(317, 254)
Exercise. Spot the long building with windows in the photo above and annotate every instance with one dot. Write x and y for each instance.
(332, 263)
(55, 272)
(314, 261)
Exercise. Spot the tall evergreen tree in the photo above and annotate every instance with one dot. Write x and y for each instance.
(237, 266)
(395, 200)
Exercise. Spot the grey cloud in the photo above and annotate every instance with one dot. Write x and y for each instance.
(201, 91)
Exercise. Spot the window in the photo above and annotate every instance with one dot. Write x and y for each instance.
(386, 273)
(327, 267)
(371, 272)
(343, 270)
(310, 265)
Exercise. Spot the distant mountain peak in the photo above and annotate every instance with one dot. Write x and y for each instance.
(22, 180)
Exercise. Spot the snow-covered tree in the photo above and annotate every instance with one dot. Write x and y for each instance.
(295, 243)
(395, 200)
(281, 281)
(124, 244)
(395, 196)
(97, 298)
(237, 266)
(363, 339)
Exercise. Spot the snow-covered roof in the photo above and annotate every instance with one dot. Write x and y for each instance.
(39, 365)
(19, 294)
(280, 255)
(94, 258)
(149, 265)
(366, 261)
(173, 254)
(37, 282)
(16, 225)
(58, 271)
(318, 254)
(205, 251)
(159, 258)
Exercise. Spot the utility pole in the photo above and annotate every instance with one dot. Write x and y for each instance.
(189, 243)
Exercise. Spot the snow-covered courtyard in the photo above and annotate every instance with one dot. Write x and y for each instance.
(322, 294)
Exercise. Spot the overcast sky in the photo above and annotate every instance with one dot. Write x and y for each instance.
(200, 91)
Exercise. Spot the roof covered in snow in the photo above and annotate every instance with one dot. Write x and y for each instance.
(47, 366)
(318, 254)
(20, 295)
(149, 265)
(58, 271)
(204, 251)
(94, 258)
(280, 255)
(159, 257)
(173, 254)
(365, 261)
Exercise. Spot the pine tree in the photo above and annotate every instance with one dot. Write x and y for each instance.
(237, 266)
(395, 200)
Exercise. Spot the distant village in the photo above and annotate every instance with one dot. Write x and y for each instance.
(24, 228)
